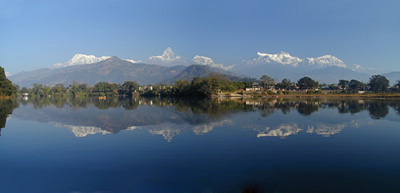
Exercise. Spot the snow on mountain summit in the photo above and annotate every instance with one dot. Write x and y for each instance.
(204, 60)
(326, 61)
(79, 59)
(168, 58)
(131, 60)
(286, 59)
(168, 55)
(283, 58)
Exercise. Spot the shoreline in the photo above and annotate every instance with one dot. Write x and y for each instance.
(392, 96)
(369, 96)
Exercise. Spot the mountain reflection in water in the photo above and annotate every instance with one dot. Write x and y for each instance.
(175, 145)
(171, 116)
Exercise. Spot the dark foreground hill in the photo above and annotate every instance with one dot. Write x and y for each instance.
(6, 86)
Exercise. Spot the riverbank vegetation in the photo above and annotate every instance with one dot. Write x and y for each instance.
(218, 86)
(7, 89)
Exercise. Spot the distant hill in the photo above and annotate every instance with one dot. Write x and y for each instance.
(393, 77)
(110, 70)
(204, 71)
(116, 70)
(333, 74)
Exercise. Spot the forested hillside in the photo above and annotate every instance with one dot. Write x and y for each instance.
(6, 86)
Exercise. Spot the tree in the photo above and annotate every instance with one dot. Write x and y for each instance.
(24, 90)
(343, 84)
(16, 89)
(40, 90)
(267, 81)
(307, 83)
(181, 87)
(105, 88)
(397, 85)
(6, 86)
(285, 84)
(58, 89)
(211, 85)
(333, 87)
(356, 85)
(378, 83)
(129, 87)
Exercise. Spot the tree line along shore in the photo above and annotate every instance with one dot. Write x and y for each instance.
(217, 86)
(213, 86)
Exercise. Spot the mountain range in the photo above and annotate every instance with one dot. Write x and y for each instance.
(327, 68)
(112, 69)
(170, 67)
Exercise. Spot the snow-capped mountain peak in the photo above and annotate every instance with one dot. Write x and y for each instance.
(283, 58)
(204, 60)
(326, 61)
(286, 59)
(79, 59)
(167, 56)
(131, 60)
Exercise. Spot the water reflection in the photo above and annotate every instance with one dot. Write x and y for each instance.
(169, 117)
(6, 108)
(313, 127)
(282, 131)
(325, 129)
(378, 110)
(241, 145)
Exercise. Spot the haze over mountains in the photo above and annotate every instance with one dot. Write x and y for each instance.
(169, 67)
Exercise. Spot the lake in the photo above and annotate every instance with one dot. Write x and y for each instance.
(177, 145)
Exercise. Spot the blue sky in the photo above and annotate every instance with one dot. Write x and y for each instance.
(37, 34)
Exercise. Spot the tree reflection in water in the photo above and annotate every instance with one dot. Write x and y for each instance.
(6, 108)
(178, 114)
(290, 155)
(378, 109)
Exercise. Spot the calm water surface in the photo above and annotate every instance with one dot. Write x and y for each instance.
(175, 145)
